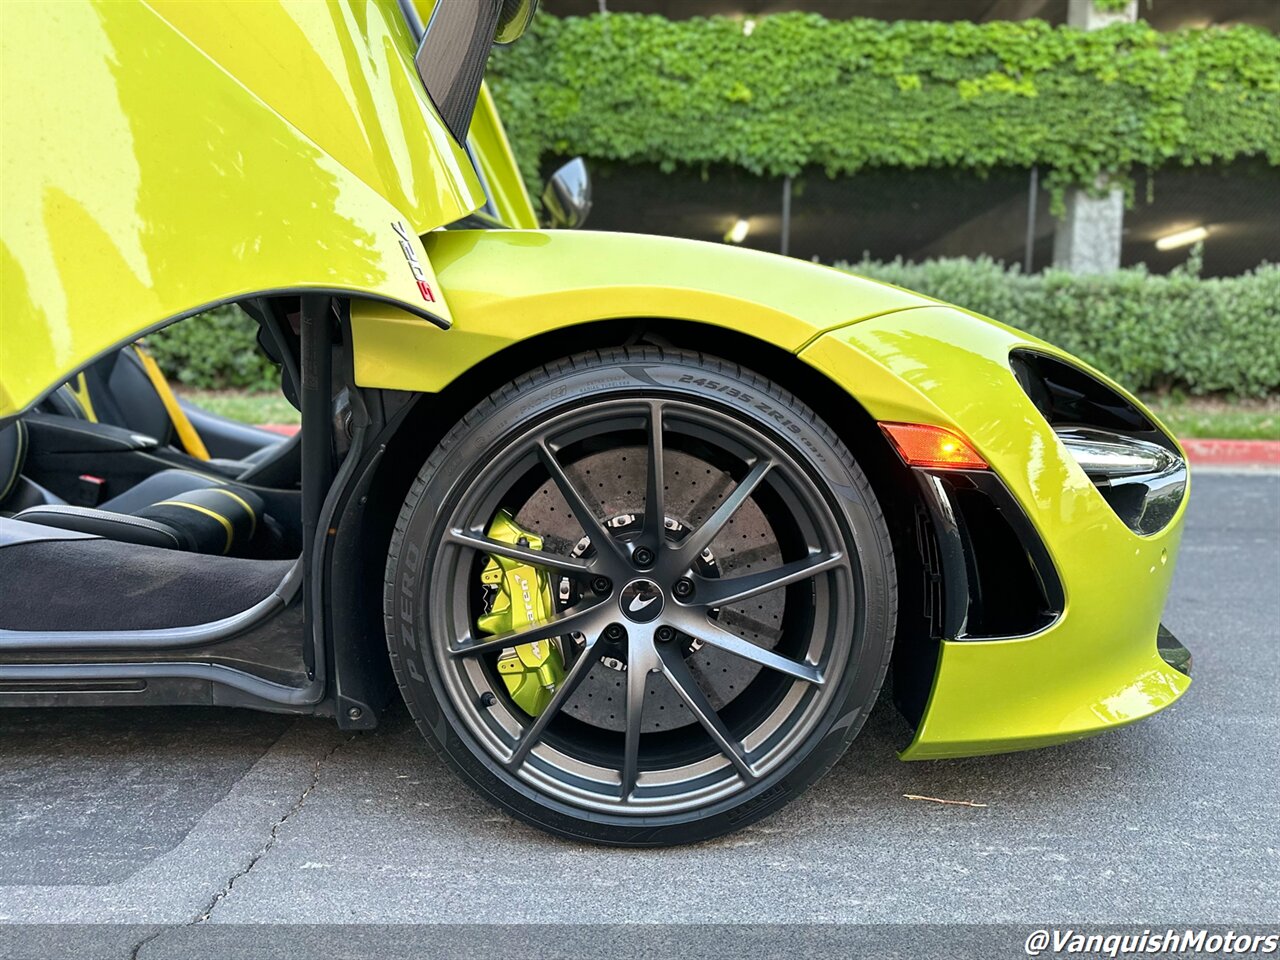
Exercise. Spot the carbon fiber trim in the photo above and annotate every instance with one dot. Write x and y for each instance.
(452, 58)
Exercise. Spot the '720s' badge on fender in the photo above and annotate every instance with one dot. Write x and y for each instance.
(406, 244)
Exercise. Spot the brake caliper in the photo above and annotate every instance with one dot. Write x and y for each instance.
(518, 595)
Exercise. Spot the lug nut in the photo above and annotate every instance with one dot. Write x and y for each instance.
(600, 584)
(666, 634)
(643, 557)
(615, 632)
(683, 588)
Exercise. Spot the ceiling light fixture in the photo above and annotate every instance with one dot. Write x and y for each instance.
(1183, 238)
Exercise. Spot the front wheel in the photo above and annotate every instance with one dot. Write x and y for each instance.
(640, 597)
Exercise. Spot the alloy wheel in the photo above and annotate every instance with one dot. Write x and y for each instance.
(704, 597)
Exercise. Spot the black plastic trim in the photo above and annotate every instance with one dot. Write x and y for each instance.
(959, 578)
(1172, 651)
(214, 673)
(953, 570)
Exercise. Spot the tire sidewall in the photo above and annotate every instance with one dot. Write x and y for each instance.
(691, 378)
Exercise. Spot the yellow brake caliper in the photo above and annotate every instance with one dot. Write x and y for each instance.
(518, 595)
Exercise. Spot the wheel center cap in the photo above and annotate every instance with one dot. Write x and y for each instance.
(641, 601)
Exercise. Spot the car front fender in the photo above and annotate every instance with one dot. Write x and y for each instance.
(505, 286)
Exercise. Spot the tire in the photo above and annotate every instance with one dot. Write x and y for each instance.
(671, 658)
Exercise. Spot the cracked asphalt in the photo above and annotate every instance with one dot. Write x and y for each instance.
(161, 821)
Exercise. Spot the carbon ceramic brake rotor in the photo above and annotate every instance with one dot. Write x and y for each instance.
(613, 481)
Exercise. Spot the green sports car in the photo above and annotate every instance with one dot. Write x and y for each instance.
(636, 527)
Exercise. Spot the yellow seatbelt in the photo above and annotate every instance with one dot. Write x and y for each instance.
(186, 431)
(79, 388)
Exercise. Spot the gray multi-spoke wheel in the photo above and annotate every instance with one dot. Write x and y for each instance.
(699, 597)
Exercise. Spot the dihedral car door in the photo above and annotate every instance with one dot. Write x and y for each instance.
(162, 158)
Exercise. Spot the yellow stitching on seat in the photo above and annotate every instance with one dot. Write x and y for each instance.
(253, 517)
(226, 524)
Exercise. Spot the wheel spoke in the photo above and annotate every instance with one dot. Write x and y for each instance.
(715, 593)
(700, 628)
(637, 680)
(591, 525)
(512, 551)
(589, 620)
(577, 673)
(682, 680)
(655, 511)
(701, 538)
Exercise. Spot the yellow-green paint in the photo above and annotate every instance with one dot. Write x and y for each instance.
(505, 286)
(498, 164)
(904, 358)
(1097, 666)
(343, 75)
(184, 154)
(157, 160)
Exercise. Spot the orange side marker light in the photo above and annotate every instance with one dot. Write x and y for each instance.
(922, 445)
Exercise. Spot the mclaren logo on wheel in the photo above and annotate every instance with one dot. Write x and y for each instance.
(415, 265)
(641, 601)
(638, 603)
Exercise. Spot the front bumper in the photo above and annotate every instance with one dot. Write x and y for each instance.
(1098, 665)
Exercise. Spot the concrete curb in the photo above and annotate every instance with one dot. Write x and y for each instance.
(1213, 453)
(1233, 453)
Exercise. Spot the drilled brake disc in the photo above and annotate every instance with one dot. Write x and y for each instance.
(614, 480)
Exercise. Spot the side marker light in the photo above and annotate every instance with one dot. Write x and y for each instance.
(923, 445)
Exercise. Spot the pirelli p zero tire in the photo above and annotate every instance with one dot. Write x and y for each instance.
(684, 567)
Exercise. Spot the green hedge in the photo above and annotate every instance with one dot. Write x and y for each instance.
(1148, 332)
(805, 91)
(216, 350)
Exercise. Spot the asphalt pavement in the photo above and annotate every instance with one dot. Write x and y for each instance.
(168, 820)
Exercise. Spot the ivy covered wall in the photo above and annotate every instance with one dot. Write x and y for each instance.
(842, 95)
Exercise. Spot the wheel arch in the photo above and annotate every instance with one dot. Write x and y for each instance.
(421, 421)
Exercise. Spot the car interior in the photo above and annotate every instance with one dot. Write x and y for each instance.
(162, 514)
